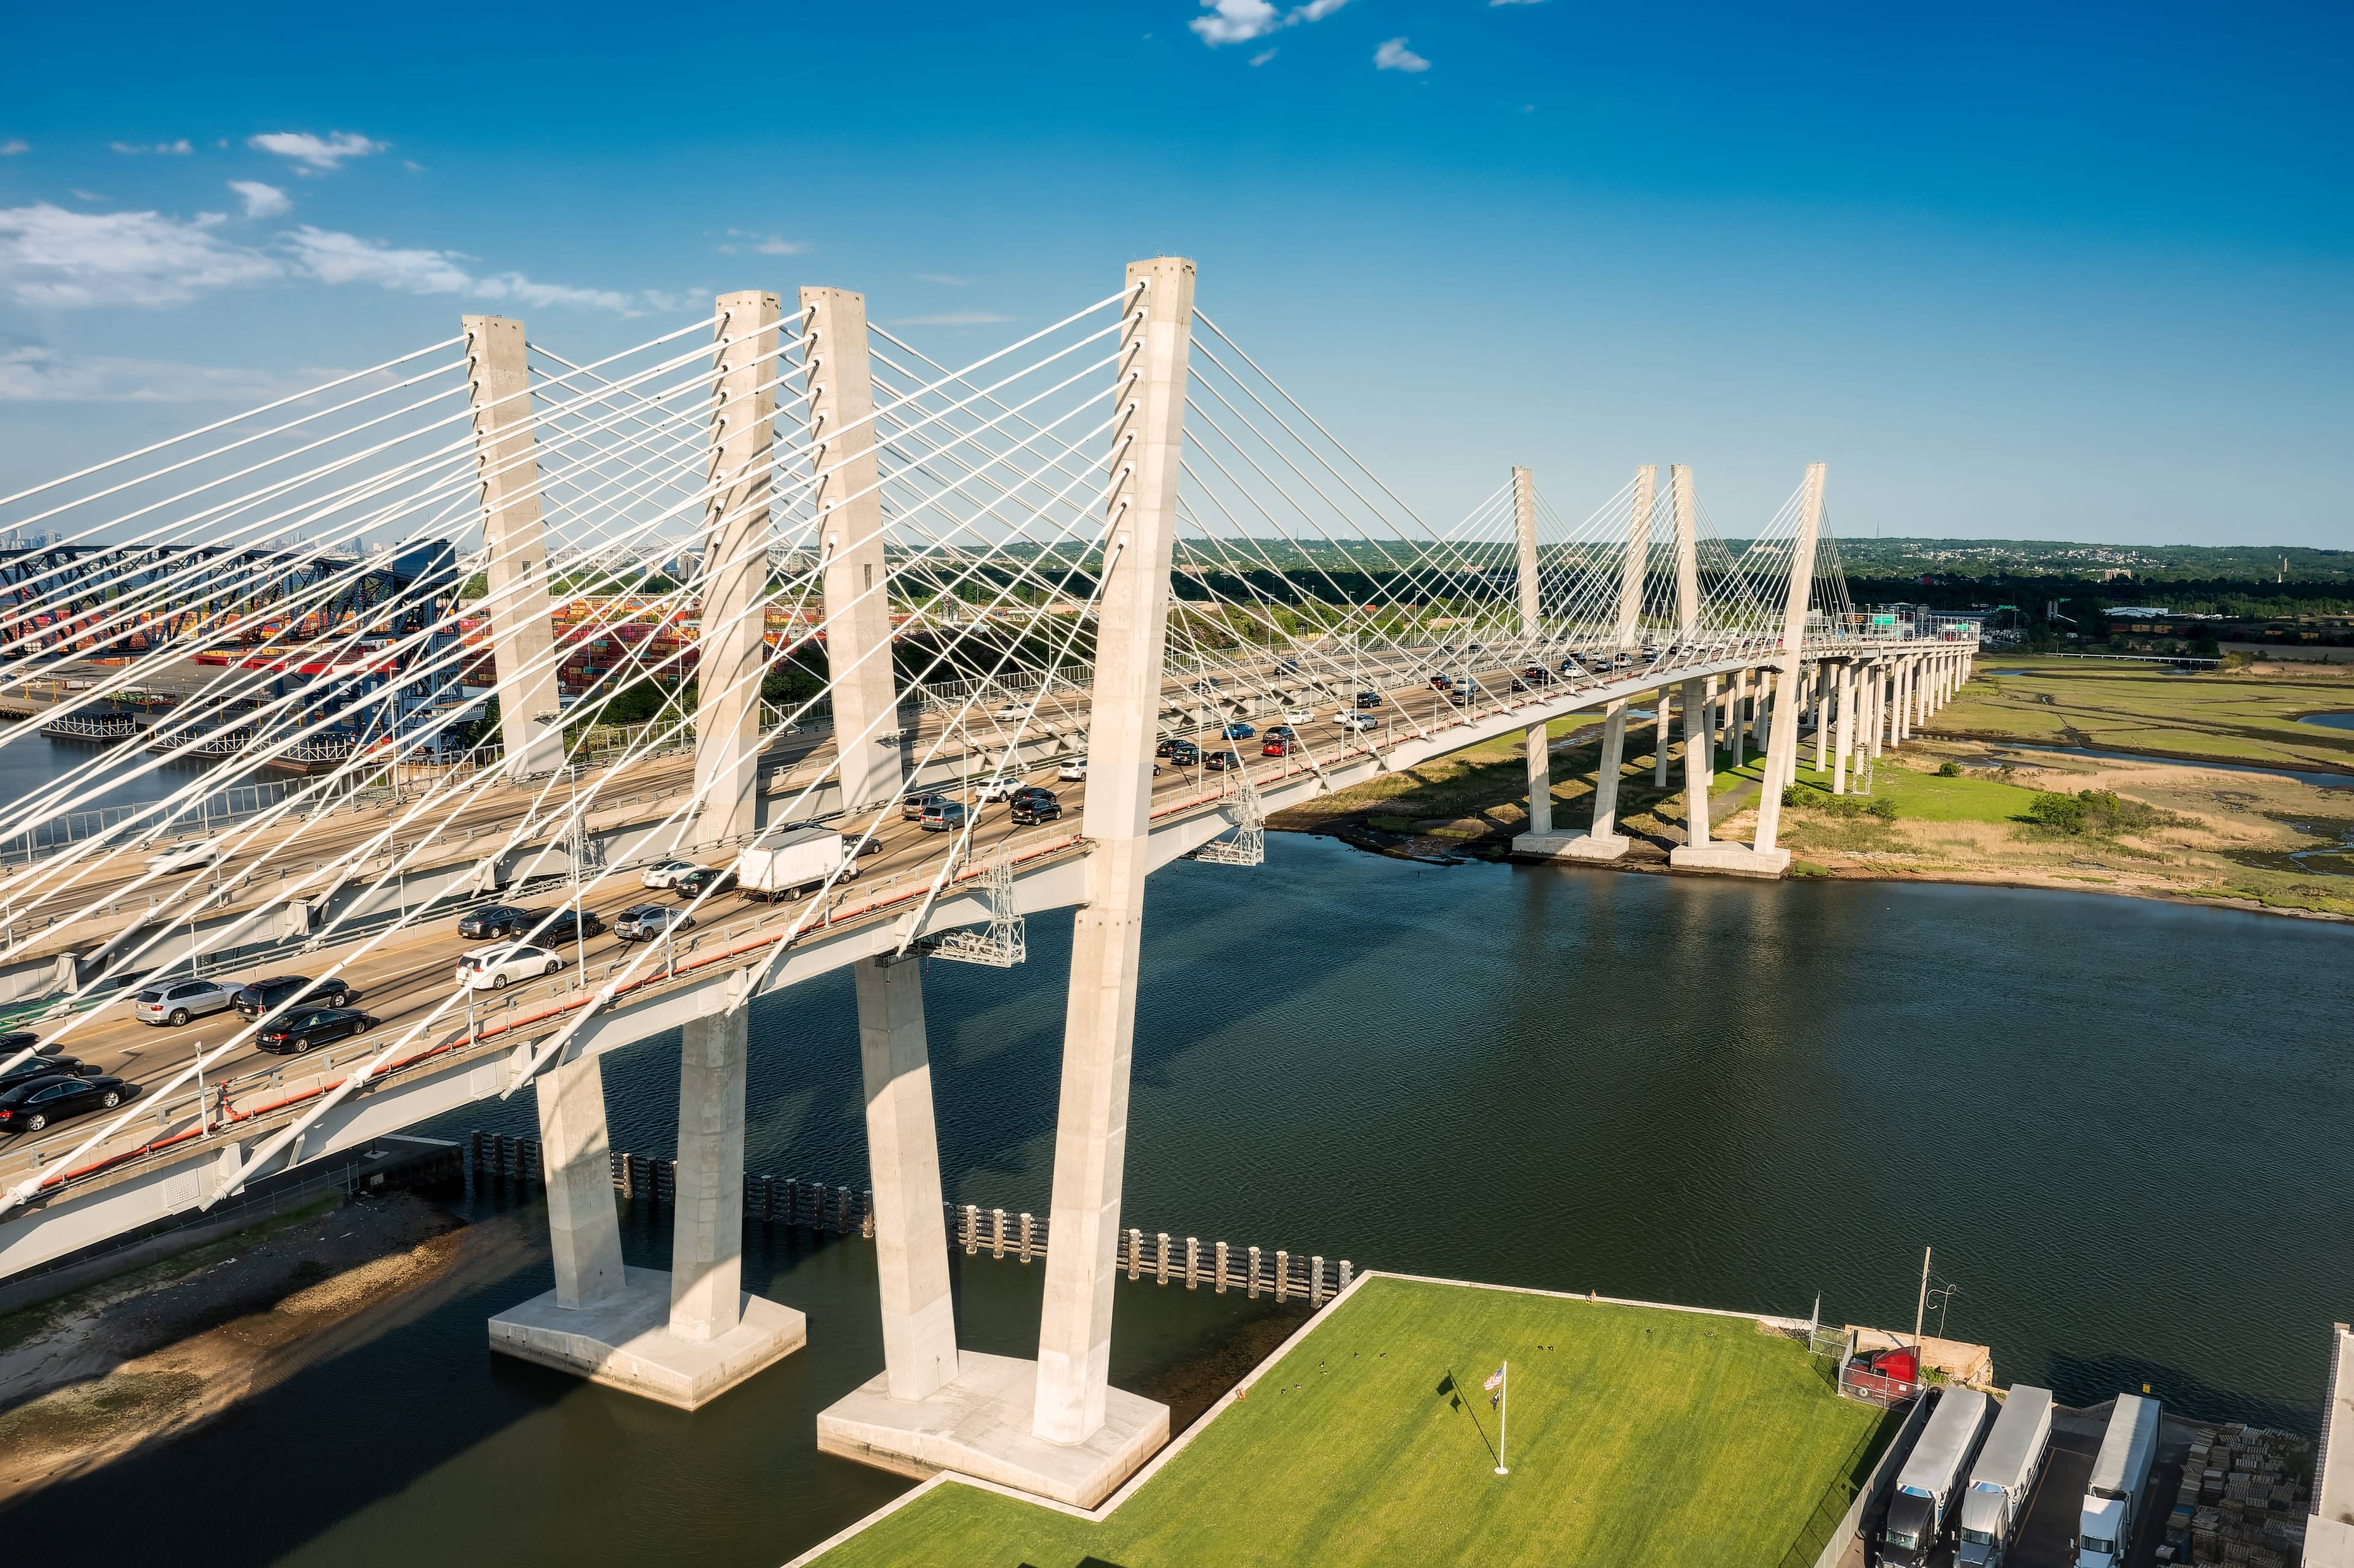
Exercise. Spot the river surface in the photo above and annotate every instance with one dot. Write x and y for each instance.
(2330, 721)
(2120, 1123)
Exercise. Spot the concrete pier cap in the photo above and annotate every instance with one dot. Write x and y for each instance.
(624, 1341)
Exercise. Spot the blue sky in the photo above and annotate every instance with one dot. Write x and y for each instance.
(2046, 271)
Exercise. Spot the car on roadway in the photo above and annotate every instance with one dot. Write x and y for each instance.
(176, 1002)
(650, 922)
(1030, 810)
(1276, 746)
(1281, 732)
(186, 857)
(1299, 715)
(1441, 683)
(993, 790)
(255, 998)
(1369, 699)
(53, 1066)
(943, 817)
(1348, 718)
(572, 925)
(17, 1040)
(703, 879)
(1205, 685)
(495, 966)
(1222, 761)
(1075, 771)
(661, 874)
(301, 1032)
(38, 1103)
(1239, 731)
(495, 920)
(1182, 753)
(1012, 713)
(913, 808)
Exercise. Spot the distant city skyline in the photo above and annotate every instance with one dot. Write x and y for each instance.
(2076, 276)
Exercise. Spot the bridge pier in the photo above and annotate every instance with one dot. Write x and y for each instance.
(733, 655)
(1843, 744)
(523, 635)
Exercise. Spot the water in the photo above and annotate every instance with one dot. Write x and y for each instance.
(2330, 721)
(2120, 1123)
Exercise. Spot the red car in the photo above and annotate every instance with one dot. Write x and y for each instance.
(1276, 746)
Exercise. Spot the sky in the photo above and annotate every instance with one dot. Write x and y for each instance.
(2021, 271)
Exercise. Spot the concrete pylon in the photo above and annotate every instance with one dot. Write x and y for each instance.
(1699, 765)
(1763, 858)
(849, 498)
(1098, 1036)
(706, 1266)
(523, 637)
(911, 1242)
(1601, 840)
(731, 655)
(1527, 573)
(577, 1163)
(1843, 744)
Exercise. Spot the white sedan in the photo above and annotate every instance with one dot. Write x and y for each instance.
(186, 857)
(662, 873)
(1350, 718)
(1075, 771)
(1012, 712)
(492, 968)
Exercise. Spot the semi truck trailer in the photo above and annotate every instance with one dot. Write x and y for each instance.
(791, 863)
(2120, 1475)
(2004, 1477)
(1931, 1481)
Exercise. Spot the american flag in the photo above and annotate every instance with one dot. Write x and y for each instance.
(1492, 1385)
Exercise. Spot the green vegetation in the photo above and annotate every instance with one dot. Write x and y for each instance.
(2094, 811)
(1811, 798)
(2224, 716)
(1638, 1435)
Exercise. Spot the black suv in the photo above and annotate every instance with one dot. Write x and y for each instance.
(1183, 753)
(495, 920)
(566, 924)
(1036, 805)
(255, 998)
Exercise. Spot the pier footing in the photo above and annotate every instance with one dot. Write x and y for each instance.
(980, 1426)
(1728, 860)
(1577, 845)
(624, 1341)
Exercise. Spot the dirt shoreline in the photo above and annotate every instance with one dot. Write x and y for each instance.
(101, 1371)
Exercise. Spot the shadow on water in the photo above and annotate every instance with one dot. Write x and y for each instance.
(1711, 1092)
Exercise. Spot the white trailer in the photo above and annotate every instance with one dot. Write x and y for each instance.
(791, 863)
(2120, 1475)
(1931, 1481)
(2004, 1478)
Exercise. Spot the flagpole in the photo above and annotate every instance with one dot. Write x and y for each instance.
(1504, 1421)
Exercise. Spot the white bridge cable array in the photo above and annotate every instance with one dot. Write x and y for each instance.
(323, 585)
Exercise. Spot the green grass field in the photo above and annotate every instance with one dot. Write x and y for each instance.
(1638, 1435)
(2221, 715)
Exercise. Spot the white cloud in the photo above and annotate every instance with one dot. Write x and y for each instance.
(946, 280)
(57, 259)
(16, 146)
(1239, 21)
(261, 200)
(1395, 56)
(34, 373)
(954, 319)
(315, 152)
(335, 258)
(1261, 58)
(1235, 21)
(174, 149)
(763, 245)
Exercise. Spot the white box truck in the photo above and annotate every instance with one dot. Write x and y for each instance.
(2004, 1478)
(2120, 1475)
(791, 863)
(1931, 1481)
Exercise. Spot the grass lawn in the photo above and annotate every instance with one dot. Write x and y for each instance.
(1638, 1436)
(2226, 714)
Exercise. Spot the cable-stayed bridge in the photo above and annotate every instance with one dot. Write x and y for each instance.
(487, 628)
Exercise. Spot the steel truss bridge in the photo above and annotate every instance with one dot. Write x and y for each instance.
(1085, 559)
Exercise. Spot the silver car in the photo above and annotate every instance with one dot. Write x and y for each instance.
(176, 1002)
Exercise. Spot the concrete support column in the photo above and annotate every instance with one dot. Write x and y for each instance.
(1700, 767)
(849, 534)
(911, 1242)
(706, 1252)
(523, 637)
(1843, 750)
(1660, 737)
(1734, 732)
(578, 1163)
(1606, 775)
(1880, 679)
(1099, 1031)
(1820, 688)
(1540, 779)
(1711, 724)
(1782, 753)
(730, 655)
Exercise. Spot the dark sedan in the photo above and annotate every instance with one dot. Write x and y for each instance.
(255, 998)
(565, 925)
(495, 920)
(307, 1031)
(32, 1067)
(1222, 761)
(30, 1106)
(712, 879)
